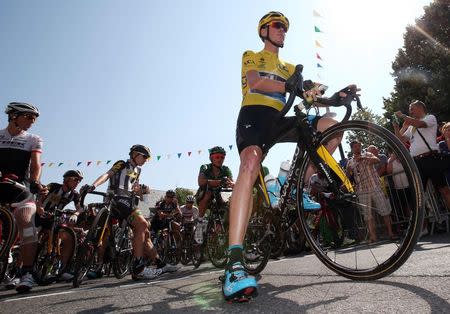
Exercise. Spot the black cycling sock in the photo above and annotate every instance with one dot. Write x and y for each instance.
(26, 269)
(138, 265)
(234, 255)
(159, 263)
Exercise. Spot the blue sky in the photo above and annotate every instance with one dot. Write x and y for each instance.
(108, 74)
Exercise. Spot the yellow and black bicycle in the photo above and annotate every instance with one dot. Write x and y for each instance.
(318, 152)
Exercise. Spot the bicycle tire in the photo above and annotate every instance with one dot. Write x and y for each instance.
(48, 267)
(257, 249)
(8, 230)
(83, 261)
(197, 250)
(185, 249)
(85, 255)
(216, 238)
(378, 259)
(122, 260)
(173, 257)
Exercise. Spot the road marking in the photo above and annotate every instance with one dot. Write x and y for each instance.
(135, 284)
(38, 296)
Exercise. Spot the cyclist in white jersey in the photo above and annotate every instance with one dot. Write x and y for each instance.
(20, 158)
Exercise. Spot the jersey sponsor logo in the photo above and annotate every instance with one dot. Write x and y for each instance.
(282, 67)
(117, 166)
(132, 174)
(13, 143)
(248, 62)
(261, 63)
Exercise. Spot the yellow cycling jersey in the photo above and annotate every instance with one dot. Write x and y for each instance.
(269, 66)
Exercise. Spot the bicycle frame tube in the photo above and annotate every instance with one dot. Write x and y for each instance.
(105, 226)
(329, 160)
(263, 187)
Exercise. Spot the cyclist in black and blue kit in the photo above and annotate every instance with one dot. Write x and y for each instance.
(58, 197)
(123, 181)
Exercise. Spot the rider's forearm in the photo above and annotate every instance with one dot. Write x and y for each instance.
(35, 166)
(267, 85)
(100, 180)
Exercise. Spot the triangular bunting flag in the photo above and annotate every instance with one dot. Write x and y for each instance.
(50, 164)
(79, 163)
(317, 30)
(98, 162)
(168, 156)
(318, 57)
(158, 157)
(42, 164)
(316, 14)
(59, 165)
(318, 44)
(189, 153)
(318, 75)
(230, 146)
(199, 151)
(179, 155)
(108, 161)
(89, 163)
(319, 66)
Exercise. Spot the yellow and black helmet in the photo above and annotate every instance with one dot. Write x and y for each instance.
(270, 17)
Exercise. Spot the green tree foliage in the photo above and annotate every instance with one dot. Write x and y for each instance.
(422, 66)
(181, 195)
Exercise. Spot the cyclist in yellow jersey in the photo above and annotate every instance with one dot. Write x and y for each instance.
(265, 81)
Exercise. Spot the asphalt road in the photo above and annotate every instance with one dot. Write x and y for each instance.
(296, 284)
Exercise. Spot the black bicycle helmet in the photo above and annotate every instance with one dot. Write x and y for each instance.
(73, 173)
(190, 199)
(217, 150)
(271, 17)
(141, 149)
(20, 108)
(170, 193)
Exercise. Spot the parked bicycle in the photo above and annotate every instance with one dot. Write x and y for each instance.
(364, 260)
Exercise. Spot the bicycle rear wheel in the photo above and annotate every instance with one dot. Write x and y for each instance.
(8, 231)
(367, 253)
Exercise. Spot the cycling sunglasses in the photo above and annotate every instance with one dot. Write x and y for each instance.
(278, 25)
(75, 179)
(218, 156)
(29, 116)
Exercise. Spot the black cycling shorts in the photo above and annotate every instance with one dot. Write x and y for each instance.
(122, 207)
(12, 194)
(260, 125)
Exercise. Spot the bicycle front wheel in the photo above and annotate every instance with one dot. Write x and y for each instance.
(379, 221)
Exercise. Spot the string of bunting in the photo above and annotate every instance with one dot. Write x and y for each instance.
(318, 32)
(99, 162)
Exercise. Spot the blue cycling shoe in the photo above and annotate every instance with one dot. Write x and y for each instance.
(238, 286)
(309, 204)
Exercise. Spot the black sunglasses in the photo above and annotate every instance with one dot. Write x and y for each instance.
(29, 116)
(278, 25)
